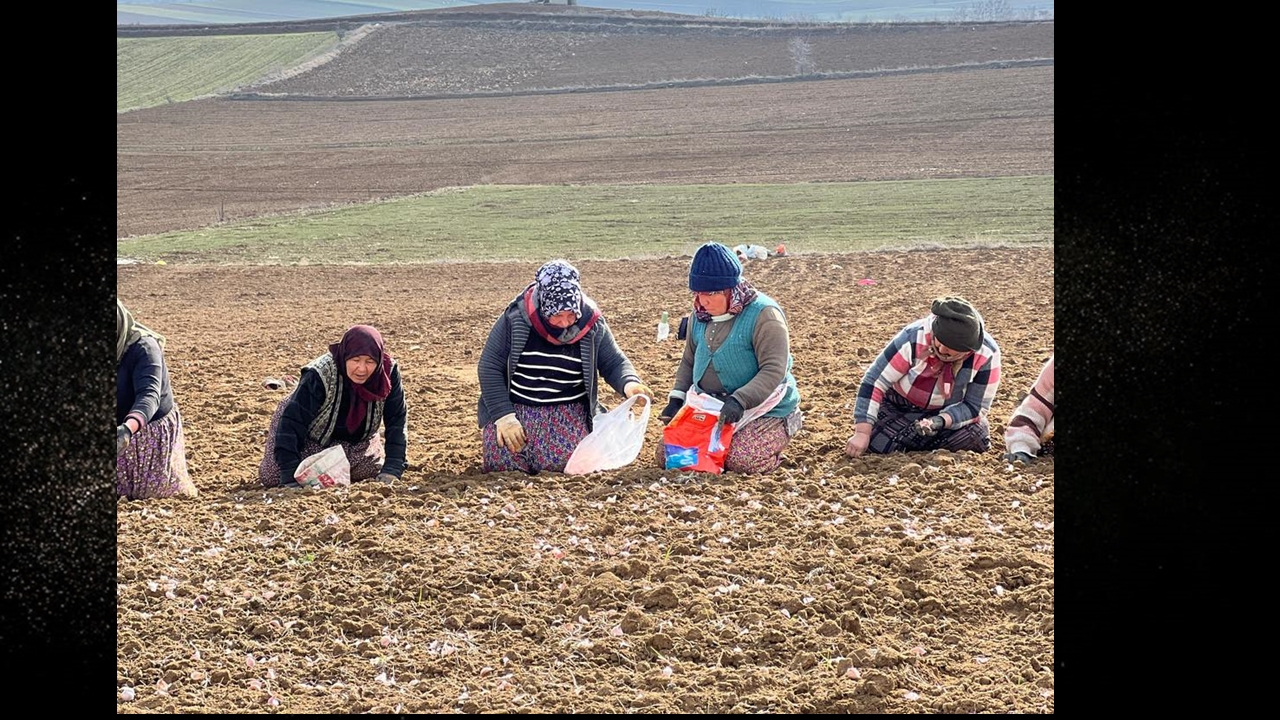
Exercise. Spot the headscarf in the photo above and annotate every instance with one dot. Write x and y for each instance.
(740, 296)
(556, 288)
(363, 340)
(130, 331)
(559, 289)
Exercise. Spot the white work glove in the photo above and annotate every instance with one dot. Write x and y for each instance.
(634, 388)
(510, 433)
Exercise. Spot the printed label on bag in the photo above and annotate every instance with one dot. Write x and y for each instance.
(681, 457)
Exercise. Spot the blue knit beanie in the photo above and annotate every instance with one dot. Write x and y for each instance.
(714, 267)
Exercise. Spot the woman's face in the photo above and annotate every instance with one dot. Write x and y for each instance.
(944, 353)
(562, 319)
(712, 303)
(360, 368)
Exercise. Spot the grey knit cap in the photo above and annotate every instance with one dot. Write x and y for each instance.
(957, 323)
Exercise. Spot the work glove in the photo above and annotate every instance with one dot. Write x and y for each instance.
(671, 409)
(634, 388)
(386, 478)
(123, 436)
(1022, 457)
(732, 411)
(510, 433)
(927, 427)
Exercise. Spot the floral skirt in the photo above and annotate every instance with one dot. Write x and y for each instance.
(366, 457)
(551, 432)
(892, 431)
(154, 463)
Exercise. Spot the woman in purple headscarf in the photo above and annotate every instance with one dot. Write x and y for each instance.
(342, 398)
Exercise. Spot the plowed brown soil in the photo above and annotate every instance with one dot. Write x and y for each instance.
(188, 165)
(906, 583)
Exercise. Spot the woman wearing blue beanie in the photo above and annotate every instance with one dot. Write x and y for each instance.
(738, 348)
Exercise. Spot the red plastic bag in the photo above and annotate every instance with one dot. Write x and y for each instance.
(694, 443)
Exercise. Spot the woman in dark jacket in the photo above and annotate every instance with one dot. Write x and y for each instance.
(151, 456)
(538, 374)
(342, 398)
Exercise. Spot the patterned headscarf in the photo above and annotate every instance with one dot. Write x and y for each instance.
(559, 289)
(740, 296)
(130, 331)
(556, 288)
(363, 340)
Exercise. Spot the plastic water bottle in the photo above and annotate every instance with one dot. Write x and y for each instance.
(664, 327)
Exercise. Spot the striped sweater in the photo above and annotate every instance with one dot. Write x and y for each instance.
(1032, 422)
(547, 374)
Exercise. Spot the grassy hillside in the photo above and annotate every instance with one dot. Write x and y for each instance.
(503, 222)
(155, 71)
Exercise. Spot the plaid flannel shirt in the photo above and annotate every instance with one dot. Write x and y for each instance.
(962, 390)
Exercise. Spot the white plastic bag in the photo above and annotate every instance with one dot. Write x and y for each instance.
(326, 468)
(708, 404)
(615, 439)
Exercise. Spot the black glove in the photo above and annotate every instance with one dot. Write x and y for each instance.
(386, 478)
(670, 410)
(123, 436)
(934, 424)
(683, 329)
(1016, 456)
(732, 411)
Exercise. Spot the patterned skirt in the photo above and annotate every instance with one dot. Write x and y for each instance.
(366, 457)
(154, 463)
(551, 432)
(758, 447)
(892, 431)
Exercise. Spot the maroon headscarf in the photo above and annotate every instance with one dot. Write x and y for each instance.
(363, 340)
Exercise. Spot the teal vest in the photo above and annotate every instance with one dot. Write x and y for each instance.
(736, 358)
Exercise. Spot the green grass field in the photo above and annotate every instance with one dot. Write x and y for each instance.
(155, 71)
(506, 222)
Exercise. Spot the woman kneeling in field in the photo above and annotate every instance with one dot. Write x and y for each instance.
(1029, 433)
(342, 398)
(738, 349)
(538, 374)
(931, 387)
(151, 460)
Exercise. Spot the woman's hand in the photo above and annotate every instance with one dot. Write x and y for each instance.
(672, 408)
(927, 427)
(510, 433)
(859, 440)
(123, 436)
(634, 388)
